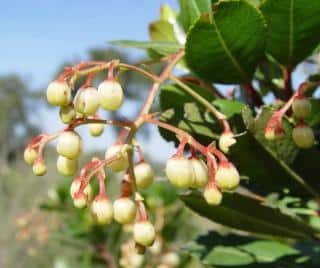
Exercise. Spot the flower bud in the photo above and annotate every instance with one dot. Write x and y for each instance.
(144, 233)
(157, 246)
(200, 173)
(144, 175)
(273, 133)
(87, 101)
(69, 144)
(213, 196)
(179, 171)
(96, 129)
(30, 155)
(80, 200)
(75, 186)
(124, 210)
(101, 210)
(67, 114)
(303, 136)
(66, 166)
(301, 108)
(226, 140)
(111, 95)
(122, 162)
(58, 93)
(171, 259)
(39, 168)
(227, 176)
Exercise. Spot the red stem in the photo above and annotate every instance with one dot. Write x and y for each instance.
(126, 187)
(140, 154)
(225, 125)
(121, 136)
(102, 187)
(190, 140)
(88, 82)
(211, 172)
(142, 212)
(193, 152)
(287, 72)
(253, 94)
(88, 166)
(163, 76)
(110, 75)
(181, 146)
(217, 153)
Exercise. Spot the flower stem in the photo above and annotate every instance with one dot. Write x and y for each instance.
(220, 116)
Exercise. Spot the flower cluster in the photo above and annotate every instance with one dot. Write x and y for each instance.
(206, 167)
(301, 107)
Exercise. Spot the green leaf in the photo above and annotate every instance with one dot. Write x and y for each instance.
(293, 29)
(234, 250)
(307, 165)
(270, 77)
(191, 10)
(256, 3)
(229, 107)
(228, 49)
(267, 173)
(268, 251)
(271, 172)
(228, 256)
(167, 13)
(161, 193)
(276, 164)
(179, 108)
(183, 111)
(284, 148)
(166, 29)
(163, 48)
(247, 214)
(161, 31)
(314, 119)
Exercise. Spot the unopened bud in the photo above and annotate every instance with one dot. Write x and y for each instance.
(226, 140)
(227, 176)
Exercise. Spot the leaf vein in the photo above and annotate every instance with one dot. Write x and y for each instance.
(228, 52)
(291, 32)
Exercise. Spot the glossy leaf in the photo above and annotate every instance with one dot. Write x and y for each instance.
(163, 48)
(256, 3)
(217, 250)
(234, 250)
(271, 172)
(284, 148)
(161, 31)
(293, 29)
(307, 165)
(314, 119)
(247, 214)
(181, 110)
(191, 10)
(228, 49)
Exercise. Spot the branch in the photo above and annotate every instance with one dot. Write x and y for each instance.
(220, 116)
(287, 72)
(163, 76)
(253, 94)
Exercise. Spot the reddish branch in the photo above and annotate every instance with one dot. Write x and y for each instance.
(253, 94)
(287, 72)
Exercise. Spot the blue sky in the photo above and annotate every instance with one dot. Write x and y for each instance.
(38, 35)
